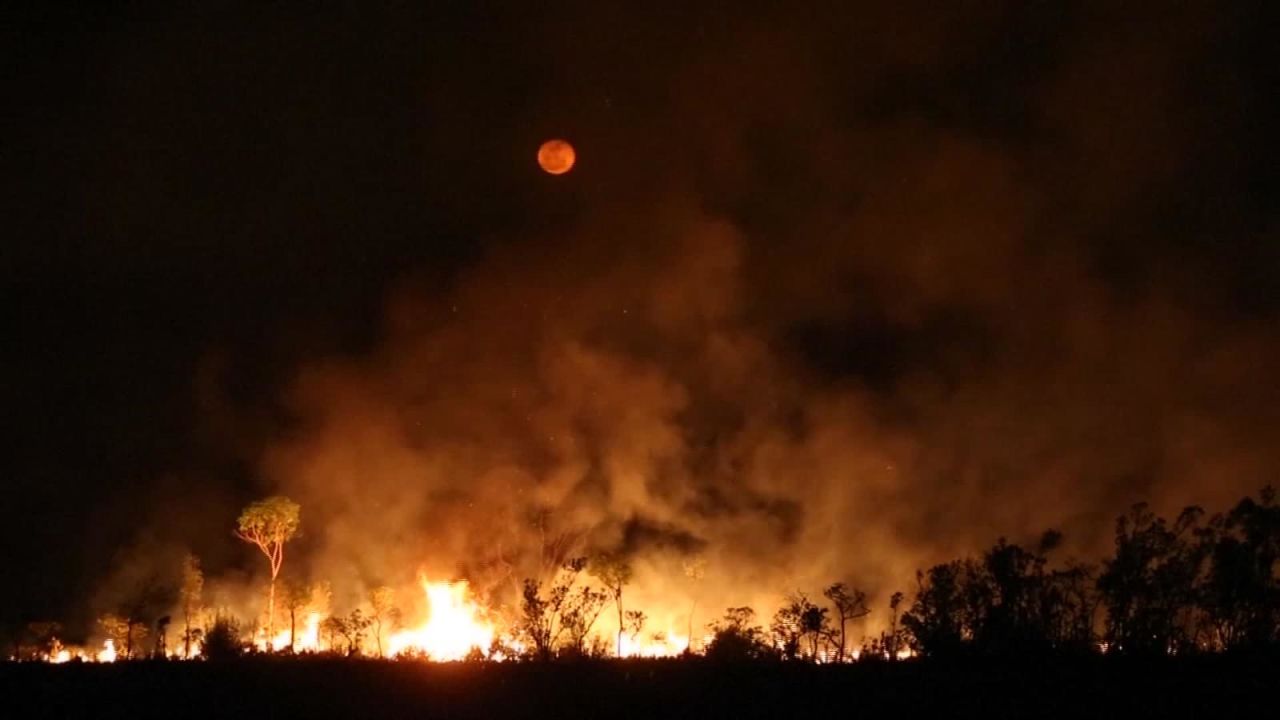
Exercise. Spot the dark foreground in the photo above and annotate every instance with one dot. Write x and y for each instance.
(1208, 687)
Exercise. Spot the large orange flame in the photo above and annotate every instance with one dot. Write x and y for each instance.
(455, 624)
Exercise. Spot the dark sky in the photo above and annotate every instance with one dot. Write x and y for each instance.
(199, 198)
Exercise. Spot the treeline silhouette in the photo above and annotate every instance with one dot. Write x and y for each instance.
(1195, 584)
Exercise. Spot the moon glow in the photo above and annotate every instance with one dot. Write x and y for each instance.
(556, 156)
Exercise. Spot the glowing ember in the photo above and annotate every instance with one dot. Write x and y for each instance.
(454, 625)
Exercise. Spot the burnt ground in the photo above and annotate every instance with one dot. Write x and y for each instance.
(1208, 687)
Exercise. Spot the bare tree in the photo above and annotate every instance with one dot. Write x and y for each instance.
(849, 605)
(635, 623)
(614, 572)
(895, 601)
(798, 620)
(695, 569)
(542, 619)
(382, 600)
(579, 615)
(269, 524)
(297, 597)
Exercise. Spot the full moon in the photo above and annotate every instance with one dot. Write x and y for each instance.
(556, 156)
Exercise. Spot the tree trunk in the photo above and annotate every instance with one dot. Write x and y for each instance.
(293, 628)
(619, 604)
(277, 559)
(271, 609)
(688, 642)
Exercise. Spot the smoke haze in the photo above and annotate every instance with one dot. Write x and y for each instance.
(829, 295)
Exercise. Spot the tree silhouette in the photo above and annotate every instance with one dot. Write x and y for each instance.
(353, 628)
(635, 623)
(382, 602)
(223, 640)
(297, 597)
(542, 617)
(1071, 604)
(736, 638)
(895, 633)
(614, 572)
(1148, 586)
(849, 605)
(124, 632)
(579, 613)
(937, 620)
(190, 596)
(162, 637)
(1240, 593)
(269, 524)
(799, 626)
(695, 569)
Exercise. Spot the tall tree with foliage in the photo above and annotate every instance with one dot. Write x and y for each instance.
(1240, 593)
(937, 619)
(269, 524)
(190, 595)
(614, 573)
(1148, 586)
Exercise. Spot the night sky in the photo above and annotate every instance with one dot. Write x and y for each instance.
(200, 200)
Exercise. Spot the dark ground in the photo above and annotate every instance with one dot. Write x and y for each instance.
(1207, 687)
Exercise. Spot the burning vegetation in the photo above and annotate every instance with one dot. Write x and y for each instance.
(1193, 585)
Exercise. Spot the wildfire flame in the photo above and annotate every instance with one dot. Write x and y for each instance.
(108, 652)
(668, 644)
(455, 624)
(307, 638)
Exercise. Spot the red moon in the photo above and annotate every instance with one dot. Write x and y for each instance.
(556, 156)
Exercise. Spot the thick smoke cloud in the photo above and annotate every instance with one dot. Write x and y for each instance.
(648, 398)
(830, 295)
(847, 352)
